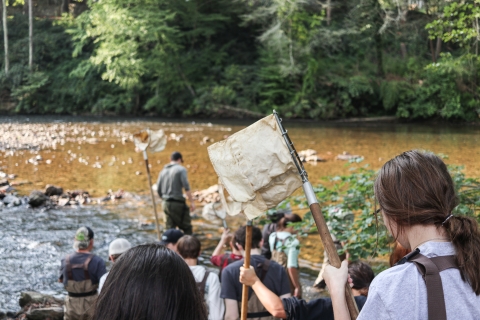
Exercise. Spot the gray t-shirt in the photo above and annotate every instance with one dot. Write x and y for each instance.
(171, 180)
(400, 292)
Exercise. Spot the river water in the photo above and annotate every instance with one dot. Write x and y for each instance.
(97, 155)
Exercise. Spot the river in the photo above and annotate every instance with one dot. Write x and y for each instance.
(97, 155)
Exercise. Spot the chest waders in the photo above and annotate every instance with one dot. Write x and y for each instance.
(281, 258)
(81, 294)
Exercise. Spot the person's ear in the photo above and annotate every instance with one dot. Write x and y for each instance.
(110, 257)
(239, 246)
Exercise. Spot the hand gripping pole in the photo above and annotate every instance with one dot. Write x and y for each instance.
(327, 240)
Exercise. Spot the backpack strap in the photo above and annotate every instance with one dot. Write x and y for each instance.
(201, 285)
(430, 269)
(69, 266)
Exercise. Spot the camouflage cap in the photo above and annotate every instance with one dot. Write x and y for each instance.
(82, 238)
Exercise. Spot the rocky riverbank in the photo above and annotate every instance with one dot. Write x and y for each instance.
(36, 306)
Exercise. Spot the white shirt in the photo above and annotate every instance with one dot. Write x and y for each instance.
(102, 282)
(400, 292)
(215, 304)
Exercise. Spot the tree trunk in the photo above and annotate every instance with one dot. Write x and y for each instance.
(30, 35)
(5, 34)
(438, 48)
(65, 4)
(329, 11)
(434, 58)
(403, 49)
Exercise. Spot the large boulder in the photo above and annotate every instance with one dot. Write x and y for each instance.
(29, 297)
(53, 191)
(51, 313)
(37, 198)
(11, 200)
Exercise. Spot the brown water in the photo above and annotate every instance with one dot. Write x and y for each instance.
(96, 154)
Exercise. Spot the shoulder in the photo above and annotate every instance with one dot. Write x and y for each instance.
(233, 267)
(97, 260)
(213, 278)
(272, 236)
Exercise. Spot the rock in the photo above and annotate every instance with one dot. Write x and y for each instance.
(63, 201)
(347, 156)
(309, 155)
(29, 297)
(3, 314)
(53, 191)
(52, 313)
(4, 185)
(37, 198)
(12, 201)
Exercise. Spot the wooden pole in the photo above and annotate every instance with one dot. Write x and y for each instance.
(327, 240)
(332, 253)
(246, 265)
(145, 157)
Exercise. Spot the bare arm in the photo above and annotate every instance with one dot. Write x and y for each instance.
(336, 280)
(190, 198)
(223, 240)
(231, 309)
(269, 300)
(294, 275)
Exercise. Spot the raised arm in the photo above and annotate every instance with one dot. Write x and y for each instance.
(335, 279)
(223, 241)
(269, 300)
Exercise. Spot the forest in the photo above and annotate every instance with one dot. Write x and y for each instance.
(309, 59)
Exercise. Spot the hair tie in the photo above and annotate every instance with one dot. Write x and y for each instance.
(449, 216)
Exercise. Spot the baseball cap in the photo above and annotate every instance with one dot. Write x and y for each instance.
(82, 238)
(118, 246)
(171, 236)
(176, 156)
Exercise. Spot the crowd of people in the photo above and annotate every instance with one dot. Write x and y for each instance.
(433, 275)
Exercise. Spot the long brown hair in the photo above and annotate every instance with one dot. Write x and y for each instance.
(415, 188)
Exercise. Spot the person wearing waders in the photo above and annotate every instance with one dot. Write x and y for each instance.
(171, 181)
(80, 273)
(270, 273)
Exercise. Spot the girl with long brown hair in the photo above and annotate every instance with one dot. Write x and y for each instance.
(440, 278)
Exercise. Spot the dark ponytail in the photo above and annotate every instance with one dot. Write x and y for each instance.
(415, 188)
(288, 218)
(465, 236)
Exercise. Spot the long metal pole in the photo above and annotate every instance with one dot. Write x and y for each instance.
(246, 265)
(145, 157)
(325, 235)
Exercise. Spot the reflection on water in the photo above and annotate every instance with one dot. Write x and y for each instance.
(98, 156)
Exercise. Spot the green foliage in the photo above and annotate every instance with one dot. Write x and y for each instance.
(243, 57)
(348, 205)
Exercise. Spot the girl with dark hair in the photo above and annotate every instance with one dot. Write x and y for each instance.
(440, 278)
(285, 249)
(150, 282)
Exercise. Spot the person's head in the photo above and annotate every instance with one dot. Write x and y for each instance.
(416, 189)
(284, 223)
(170, 238)
(240, 236)
(362, 275)
(117, 248)
(189, 247)
(83, 239)
(150, 282)
(176, 157)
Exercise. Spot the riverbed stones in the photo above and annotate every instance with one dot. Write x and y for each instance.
(37, 199)
(29, 297)
(11, 201)
(53, 191)
(52, 313)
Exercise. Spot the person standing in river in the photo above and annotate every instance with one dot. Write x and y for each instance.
(171, 181)
(80, 273)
